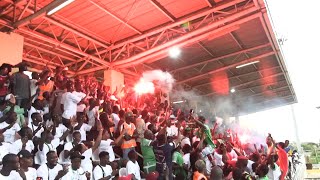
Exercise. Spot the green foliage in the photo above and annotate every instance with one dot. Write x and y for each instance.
(314, 151)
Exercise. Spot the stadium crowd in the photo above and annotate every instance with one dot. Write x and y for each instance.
(55, 127)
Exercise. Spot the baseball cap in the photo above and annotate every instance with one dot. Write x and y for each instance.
(24, 154)
(128, 114)
(172, 116)
(8, 96)
(75, 155)
(112, 97)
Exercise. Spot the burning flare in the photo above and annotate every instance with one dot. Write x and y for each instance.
(144, 87)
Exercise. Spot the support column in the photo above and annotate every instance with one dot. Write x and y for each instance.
(11, 48)
(114, 79)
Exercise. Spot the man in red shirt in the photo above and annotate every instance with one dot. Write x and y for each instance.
(283, 160)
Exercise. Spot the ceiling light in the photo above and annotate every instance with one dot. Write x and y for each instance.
(247, 64)
(177, 102)
(174, 52)
(57, 8)
(232, 90)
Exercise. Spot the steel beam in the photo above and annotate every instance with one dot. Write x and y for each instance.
(38, 14)
(210, 2)
(250, 82)
(175, 24)
(163, 10)
(48, 51)
(221, 57)
(267, 27)
(275, 90)
(237, 76)
(116, 17)
(192, 37)
(186, 39)
(260, 57)
(65, 46)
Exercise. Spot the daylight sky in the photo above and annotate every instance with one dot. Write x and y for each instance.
(298, 22)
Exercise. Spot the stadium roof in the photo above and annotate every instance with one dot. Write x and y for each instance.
(133, 36)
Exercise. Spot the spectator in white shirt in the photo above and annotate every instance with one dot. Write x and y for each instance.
(104, 170)
(36, 125)
(86, 163)
(172, 129)
(107, 145)
(58, 130)
(48, 143)
(70, 99)
(25, 143)
(4, 147)
(51, 170)
(69, 147)
(10, 128)
(186, 157)
(132, 166)
(10, 169)
(26, 163)
(75, 171)
(82, 127)
(115, 117)
(92, 111)
(36, 107)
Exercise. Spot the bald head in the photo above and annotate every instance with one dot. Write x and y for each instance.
(148, 134)
(216, 173)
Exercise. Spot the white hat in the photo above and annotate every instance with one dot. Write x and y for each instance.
(66, 69)
(8, 96)
(172, 116)
(112, 97)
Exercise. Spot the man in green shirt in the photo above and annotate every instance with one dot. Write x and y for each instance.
(149, 160)
(206, 130)
(177, 160)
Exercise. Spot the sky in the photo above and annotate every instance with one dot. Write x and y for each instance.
(298, 22)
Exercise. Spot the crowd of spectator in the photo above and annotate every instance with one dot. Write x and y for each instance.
(56, 127)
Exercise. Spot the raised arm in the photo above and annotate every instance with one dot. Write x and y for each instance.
(99, 137)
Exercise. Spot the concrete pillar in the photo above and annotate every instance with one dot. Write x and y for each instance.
(113, 79)
(11, 48)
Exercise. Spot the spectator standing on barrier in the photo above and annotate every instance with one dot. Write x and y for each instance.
(21, 86)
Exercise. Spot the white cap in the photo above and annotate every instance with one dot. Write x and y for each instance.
(172, 116)
(66, 69)
(8, 96)
(112, 97)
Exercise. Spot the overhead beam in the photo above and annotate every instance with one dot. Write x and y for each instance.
(250, 82)
(187, 39)
(193, 36)
(48, 51)
(163, 10)
(275, 90)
(116, 17)
(238, 76)
(180, 21)
(260, 57)
(264, 19)
(63, 45)
(221, 57)
(38, 14)
(210, 2)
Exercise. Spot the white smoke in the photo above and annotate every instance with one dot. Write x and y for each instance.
(163, 80)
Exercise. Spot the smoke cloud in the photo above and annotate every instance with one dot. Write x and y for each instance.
(163, 80)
